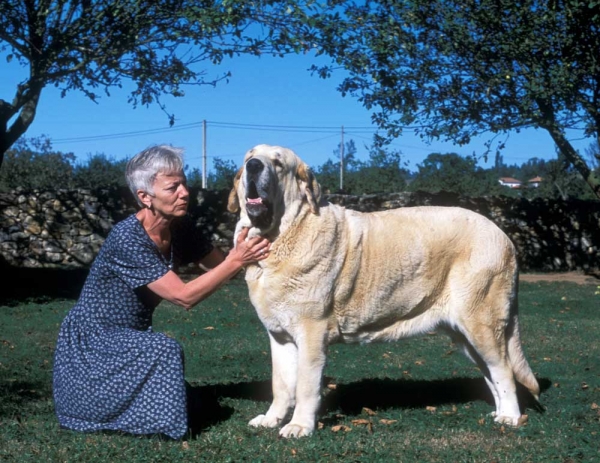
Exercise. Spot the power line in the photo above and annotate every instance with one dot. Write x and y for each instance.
(126, 134)
(216, 124)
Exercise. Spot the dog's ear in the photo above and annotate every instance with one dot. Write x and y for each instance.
(233, 203)
(311, 187)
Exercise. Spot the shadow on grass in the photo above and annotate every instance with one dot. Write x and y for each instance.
(15, 396)
(352, 397)
(39, 285)
(402, 393)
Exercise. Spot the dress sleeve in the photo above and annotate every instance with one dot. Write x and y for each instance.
(133, 257)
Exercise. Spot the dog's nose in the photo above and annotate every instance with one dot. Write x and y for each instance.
(254, 166)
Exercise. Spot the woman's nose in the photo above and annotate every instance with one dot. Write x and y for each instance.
(183, 191)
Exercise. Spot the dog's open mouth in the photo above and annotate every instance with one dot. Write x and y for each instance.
(259, 209)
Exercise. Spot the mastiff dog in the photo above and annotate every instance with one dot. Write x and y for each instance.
(337, 275)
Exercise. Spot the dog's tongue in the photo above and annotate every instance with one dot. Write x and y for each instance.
(254, 201)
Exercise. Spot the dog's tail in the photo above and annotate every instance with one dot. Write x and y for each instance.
(520, 366)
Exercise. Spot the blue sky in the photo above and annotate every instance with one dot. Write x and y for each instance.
(267, 100)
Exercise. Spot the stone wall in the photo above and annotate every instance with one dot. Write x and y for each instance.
(65, 229)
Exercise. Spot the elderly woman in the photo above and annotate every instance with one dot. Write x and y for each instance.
(111, 371)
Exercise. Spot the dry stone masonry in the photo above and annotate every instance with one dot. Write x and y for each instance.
(65, 229)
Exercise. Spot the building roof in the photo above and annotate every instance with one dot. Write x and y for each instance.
(509, 180)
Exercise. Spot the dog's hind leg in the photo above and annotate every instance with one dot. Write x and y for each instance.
(487, 337)
(284, 358)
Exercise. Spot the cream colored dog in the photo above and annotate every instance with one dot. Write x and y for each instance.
(336, 275)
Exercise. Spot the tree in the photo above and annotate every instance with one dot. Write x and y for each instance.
(222, 176)
(456, 69)
(382, 173)
(328, 174)
(100, 171)
(32, 163)
(94, 46)
(453, 173)
(593, 154)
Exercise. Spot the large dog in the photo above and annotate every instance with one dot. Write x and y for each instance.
(336, 275)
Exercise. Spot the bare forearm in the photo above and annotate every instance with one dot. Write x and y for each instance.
(204, 285)
(171, 288)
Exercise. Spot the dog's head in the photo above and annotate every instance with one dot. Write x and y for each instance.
(272, 181)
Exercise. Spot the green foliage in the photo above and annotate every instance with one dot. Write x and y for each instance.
(32, 163)
(459, 69)
(101, 171)
(221, 177)
(453, 173)
(381, 173)
(412, 401)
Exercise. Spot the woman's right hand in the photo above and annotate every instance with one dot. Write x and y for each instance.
(251, 251)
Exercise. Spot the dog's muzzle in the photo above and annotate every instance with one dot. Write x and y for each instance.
(258, 207)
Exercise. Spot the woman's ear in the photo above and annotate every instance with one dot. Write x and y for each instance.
(145, 198)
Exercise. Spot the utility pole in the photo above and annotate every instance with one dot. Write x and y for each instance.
(342, 162)
(204, 186)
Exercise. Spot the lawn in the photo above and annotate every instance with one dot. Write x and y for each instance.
(418, 400)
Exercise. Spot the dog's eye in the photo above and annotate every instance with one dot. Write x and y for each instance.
(277, 163)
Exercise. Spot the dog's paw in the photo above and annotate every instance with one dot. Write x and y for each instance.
(253, 232)
(265, 421)
(514, 421)
(295, 430)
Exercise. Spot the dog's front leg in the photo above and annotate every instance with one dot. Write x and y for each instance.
(311, 361)
(284, 357)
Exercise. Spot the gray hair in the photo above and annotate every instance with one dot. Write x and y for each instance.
(143, 167)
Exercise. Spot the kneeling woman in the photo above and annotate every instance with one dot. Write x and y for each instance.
(111, 371)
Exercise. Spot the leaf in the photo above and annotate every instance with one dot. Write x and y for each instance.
(341, 427)
(209, 328)
(360, 421)
(386, 421)
(431, 409)
(368, 411)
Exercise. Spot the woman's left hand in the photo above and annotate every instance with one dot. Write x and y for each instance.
(251, 251)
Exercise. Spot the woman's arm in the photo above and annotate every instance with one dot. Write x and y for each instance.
(171, 288)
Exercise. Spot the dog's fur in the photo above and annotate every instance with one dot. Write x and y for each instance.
(336, 275)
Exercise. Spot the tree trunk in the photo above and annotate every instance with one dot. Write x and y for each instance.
(565, 147)
(10, 134)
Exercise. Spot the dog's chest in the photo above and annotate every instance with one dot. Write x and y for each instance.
(269, 298)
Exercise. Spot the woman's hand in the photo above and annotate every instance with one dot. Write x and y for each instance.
(251, 251)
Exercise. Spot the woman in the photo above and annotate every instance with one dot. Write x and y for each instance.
(111, 371)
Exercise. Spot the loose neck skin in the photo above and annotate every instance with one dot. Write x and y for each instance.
(157, 227)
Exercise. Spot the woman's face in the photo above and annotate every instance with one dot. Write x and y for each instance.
(171, 196)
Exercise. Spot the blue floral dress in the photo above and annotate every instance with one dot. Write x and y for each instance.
(111, 371)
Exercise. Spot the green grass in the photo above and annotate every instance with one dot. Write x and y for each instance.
(435, 402)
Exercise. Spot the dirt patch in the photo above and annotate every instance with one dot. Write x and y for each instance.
(573, 277)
